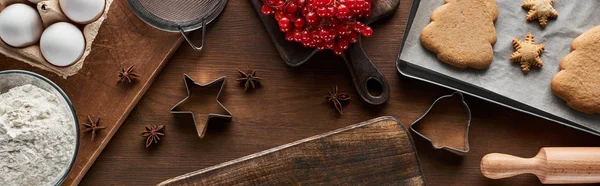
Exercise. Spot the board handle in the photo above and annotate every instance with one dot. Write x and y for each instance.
(498, 166)
(368, 80)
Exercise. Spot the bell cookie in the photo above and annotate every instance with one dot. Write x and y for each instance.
(578, 81)
(541, 10)
(527, 53)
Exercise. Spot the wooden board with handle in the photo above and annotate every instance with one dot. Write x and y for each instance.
(368, 80)
(375, 152)
(123, 40)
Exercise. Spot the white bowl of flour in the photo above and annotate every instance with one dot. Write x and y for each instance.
(39, 134)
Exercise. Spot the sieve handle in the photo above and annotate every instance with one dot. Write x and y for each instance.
(190, 41)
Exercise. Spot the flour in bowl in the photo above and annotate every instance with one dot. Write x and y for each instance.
(37, 137)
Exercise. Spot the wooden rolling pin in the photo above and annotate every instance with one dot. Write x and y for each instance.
(552, 165)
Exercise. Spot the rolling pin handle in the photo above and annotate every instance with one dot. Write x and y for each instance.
(498, 166)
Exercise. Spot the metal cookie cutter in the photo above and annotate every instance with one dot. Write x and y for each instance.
(179, 108)
(463, 149)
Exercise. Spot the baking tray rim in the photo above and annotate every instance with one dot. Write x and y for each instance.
(401, 63)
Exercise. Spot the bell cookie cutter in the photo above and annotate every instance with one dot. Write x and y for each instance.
(201, 129)
(468, 124)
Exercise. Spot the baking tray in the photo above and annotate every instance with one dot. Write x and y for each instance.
(411, 70)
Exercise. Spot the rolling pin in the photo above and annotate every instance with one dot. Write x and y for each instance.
(552, 165)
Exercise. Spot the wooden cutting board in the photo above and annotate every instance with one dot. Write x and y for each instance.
(123, 40)
(375, 152)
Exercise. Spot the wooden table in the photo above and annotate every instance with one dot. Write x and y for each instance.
(290, 106)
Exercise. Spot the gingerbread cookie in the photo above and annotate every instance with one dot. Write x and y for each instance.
(578, 82)
(527, 53)
(541, 10)
(462, 33)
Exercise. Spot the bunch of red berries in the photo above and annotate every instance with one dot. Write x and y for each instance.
(321, 24)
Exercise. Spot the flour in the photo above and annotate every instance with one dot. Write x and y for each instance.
(37, 137)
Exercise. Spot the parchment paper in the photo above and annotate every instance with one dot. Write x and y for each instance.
(504, 76)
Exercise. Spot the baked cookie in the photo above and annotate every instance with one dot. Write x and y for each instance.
(540, 10)
(462, 33)
(578, 81)
(527, 53)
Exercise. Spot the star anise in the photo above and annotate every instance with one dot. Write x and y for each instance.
(335, 98)
(153, 134)
(92, 126)
(127, 74)
(248, 79)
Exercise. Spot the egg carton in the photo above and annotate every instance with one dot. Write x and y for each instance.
(50, 13)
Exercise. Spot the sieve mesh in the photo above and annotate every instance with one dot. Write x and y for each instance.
(170, 15)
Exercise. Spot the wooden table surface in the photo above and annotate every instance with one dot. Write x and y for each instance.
(290, 106)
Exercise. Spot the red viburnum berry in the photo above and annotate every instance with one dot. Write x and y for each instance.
(321, 24)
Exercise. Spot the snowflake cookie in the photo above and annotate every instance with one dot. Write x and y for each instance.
(540, 10)
(527, 53)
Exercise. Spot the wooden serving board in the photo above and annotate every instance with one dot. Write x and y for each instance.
(375, 152)
(123, 40)
(368, 80)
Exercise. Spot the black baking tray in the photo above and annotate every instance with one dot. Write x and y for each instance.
(416, 72)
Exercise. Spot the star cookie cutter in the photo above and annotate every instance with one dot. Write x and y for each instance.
(201, 129)
(456, 150)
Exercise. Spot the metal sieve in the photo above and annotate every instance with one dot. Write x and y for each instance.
(178, 15)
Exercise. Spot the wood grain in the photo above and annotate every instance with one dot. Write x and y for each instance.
(290, 106)
(123, 40)
(375, 152)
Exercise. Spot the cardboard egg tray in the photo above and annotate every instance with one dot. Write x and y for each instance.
(50, 13)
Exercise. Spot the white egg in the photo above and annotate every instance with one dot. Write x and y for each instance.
(62, 44)
(35, 1)
(82, 11)
(20, 25)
